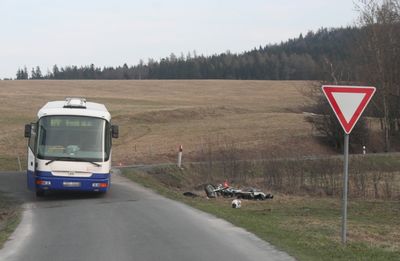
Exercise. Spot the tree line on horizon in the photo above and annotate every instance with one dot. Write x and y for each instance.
(302, 58)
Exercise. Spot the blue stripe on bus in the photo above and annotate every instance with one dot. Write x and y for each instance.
(30, 177)
(86, 184)
(93, 176)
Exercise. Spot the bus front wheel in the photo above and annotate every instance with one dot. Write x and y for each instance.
(40, 193)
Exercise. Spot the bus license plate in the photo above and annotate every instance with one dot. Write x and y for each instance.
(71, 184)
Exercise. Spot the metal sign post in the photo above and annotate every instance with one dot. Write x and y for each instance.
(345, 187)
(348, 103)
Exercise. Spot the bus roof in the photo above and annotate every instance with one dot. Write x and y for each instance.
(75, 107)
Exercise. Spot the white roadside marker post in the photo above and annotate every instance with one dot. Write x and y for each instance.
(180, 151)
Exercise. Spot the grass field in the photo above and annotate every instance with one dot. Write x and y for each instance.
(306, 227)
(155, 117)
(10, 215)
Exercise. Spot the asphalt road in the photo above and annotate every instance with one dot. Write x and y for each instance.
(128, 223)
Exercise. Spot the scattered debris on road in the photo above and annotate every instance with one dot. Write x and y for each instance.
(227, 191)
(190, 194)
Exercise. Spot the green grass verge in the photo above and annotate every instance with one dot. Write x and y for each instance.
(306, 227)
(10, 216)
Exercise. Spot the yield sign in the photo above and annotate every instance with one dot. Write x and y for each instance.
(348, 103)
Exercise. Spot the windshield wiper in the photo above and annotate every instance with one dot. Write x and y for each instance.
(84, 160)
(72, 159)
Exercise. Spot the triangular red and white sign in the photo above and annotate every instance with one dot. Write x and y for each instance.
(348, 102)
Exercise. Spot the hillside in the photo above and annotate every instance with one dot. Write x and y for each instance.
(155, 117)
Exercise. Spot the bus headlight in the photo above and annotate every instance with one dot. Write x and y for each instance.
(43, 182)
(99, 185)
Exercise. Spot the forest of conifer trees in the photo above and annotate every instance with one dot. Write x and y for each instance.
(303, 58)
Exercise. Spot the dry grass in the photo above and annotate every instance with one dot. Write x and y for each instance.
(156, 116)
(10, 215)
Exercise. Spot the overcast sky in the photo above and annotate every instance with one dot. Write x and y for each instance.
(113, 32)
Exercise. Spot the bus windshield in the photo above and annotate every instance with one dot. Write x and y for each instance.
(73, 137)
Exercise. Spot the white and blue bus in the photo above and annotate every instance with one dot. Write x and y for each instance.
(69, 147)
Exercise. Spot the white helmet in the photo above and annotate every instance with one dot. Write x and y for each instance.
(236, 203)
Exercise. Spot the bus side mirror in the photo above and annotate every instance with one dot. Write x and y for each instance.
(114, 131)
(27, 131)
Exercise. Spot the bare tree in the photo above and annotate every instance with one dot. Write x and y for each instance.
(326, 125)
(379, 53)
